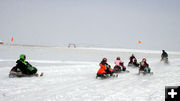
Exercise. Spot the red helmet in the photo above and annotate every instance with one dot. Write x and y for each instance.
(104, 60)
(118, 58)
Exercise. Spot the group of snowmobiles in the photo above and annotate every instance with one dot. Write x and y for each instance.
(25, 69)
(106, 71)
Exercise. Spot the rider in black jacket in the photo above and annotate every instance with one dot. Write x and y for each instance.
(164, 55)
(24, 66)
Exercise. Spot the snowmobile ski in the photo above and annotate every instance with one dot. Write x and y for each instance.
(13, 74)
(145, 73)
(107, 76)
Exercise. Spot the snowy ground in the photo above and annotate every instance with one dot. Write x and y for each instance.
(70, 75)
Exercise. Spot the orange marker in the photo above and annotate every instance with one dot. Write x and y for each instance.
(12, 39)
(139, 42)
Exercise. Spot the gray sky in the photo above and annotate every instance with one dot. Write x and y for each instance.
(107, 23)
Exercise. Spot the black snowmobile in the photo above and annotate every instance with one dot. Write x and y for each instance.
(133, 64)
(16, 72)
(106, 76)
(117, 69)
(144, 72)
(165, 60)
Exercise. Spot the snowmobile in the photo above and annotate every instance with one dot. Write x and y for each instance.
(165, 60)
(133, 64)
(144, 72)
(106, 76)
(118, 69)
(17, 73)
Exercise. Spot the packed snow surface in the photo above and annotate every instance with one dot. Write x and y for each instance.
(69, 75)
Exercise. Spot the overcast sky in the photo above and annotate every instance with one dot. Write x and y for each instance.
(107, 23)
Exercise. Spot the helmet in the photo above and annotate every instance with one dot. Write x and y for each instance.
(104, 60)
(22, 57)
(118, 58)
(144, 60)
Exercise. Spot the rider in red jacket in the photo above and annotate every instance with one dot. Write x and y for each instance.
(104, 68)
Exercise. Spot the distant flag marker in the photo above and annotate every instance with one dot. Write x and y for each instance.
(12, 39)
(139, 42)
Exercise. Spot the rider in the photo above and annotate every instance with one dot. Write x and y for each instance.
(135, 63)
(24, 66)
(144, 66)
(117, 64)
(131, 59)
(164, 55)
(104, 68)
